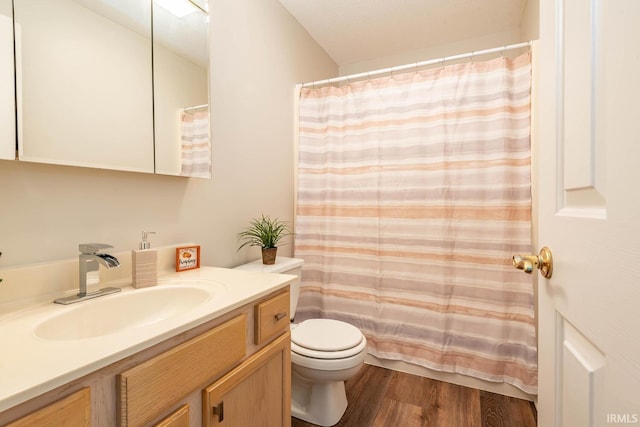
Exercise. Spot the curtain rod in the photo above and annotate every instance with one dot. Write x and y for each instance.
(197, 107)
(416, 64)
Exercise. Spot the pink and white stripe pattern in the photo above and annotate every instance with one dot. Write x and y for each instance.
(413, 194)
(195, 146)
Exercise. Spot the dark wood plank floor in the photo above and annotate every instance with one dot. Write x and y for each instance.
(380, 397)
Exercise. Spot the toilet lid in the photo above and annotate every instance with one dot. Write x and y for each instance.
(326, 335)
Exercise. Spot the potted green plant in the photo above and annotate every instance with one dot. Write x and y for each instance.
(266, 233)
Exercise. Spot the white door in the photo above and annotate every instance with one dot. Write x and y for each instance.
(588, 120)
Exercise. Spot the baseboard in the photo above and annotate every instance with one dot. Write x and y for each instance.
(458, 379)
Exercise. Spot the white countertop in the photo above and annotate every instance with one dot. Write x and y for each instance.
(30, 365)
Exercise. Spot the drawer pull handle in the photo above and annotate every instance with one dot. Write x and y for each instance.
(219, 411)
(280, 315)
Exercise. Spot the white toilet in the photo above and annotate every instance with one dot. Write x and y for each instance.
(324, 354)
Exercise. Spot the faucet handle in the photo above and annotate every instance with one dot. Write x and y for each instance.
(92, 248)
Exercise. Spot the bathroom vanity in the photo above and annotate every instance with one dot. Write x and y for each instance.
(225, 359)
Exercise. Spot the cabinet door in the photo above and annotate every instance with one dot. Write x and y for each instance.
(73, 410)
(178, 418)
(256, 393)
(7, 88)
(83, 72)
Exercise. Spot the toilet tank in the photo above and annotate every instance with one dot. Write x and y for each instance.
(283, 265)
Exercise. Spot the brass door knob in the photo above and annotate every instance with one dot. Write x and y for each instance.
(543, 261)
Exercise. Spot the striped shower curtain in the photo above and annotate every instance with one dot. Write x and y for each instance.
(413, 194)
(195, 146)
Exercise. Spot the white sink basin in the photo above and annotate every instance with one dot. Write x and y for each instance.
(124, 310)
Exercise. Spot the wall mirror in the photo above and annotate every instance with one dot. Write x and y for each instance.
(7, 93)
(84, 83)
(181, 87)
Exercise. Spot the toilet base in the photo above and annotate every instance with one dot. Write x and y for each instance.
(320, 403)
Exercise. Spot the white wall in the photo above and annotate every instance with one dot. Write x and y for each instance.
(259, 53)
(528, 31)
(529, 26)
(431, 52)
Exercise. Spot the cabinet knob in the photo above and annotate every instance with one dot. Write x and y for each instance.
(280, 315)
(219, 411)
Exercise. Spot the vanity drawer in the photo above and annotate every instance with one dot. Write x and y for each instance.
(73, 410)
(272, 317)
(159, 383)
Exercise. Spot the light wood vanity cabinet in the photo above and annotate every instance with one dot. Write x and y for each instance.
(159, 383)
(256, 393)
(241, 359)
(179, 418)
(73, 410)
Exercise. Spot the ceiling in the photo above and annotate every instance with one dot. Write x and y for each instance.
(351, 31)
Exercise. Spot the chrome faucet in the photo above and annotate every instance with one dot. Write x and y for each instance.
(90, 260)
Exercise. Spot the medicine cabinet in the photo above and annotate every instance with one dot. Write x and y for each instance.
(7, 93)
(89, 74)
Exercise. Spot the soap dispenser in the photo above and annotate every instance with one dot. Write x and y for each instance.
(144, 263)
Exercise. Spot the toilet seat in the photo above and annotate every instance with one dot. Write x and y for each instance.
(327, 339)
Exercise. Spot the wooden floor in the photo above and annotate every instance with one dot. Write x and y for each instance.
(381, 397)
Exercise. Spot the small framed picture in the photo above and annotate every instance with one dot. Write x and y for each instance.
(187, 258)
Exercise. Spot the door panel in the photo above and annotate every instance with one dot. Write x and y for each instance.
(582, 370)
(589, 211)
(576, 49)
